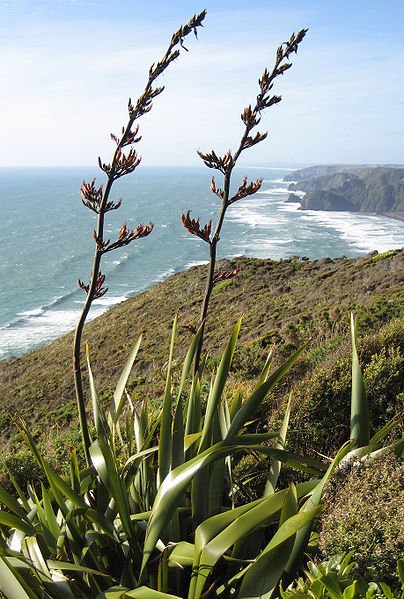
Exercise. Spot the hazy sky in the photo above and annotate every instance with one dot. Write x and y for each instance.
(67, 68)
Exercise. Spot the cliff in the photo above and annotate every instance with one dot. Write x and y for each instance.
(355, 188)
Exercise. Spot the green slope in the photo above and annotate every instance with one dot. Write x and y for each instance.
(283, 302)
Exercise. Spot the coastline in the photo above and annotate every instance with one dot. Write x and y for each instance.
(15, 358)
(395, 215)
(45, 269)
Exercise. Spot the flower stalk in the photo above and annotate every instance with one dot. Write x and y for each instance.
(251, 117)
(125, 160)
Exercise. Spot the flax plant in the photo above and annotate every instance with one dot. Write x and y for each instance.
(251, 117)
(137, 523)
(124, 161)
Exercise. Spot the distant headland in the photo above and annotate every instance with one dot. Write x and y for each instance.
(354, 188)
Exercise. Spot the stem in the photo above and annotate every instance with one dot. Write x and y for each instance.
(263, 101)
(78, 381)
(212, 265)
(114, 171)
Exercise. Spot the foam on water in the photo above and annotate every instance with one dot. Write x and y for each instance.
(31, 313)
(365, 232)
(40, 301)
(40, 326)
(278, 190)
(189, 265)
(34, 331)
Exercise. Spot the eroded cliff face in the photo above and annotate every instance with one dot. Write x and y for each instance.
(363, 189)
(326, 200)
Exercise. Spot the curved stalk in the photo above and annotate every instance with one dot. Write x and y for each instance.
(121, 164)
(225, 165)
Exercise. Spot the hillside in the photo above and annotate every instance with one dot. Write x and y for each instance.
(363, 189)
(284, 302)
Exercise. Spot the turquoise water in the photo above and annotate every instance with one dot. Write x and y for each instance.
(46, 241)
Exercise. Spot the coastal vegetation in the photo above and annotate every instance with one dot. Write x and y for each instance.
(276, 310)
(205, 451)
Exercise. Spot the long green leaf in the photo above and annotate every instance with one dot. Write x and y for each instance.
(174, 486)
(178, 439)
(177, 449)
(294, 460)
(332, 586)
(135, 460)
(217, 539)
(217, 389)
(16, 522)
(12, 583)
(384, 431)
(302, 538)
(359, 403)
(115, 592)
(118, 401)
(275, 467)
(265, 371)
(194, 410)
(249, 408)
(11, 503)
(105, 464)
(18, 489)
(46, 515)
(57, 486)
(147, 593)
(215, 536)
(36, 557)
(164, 458)
(189, 358)
(101, 425)
(177, 481)
(264, 574)
(182, 555)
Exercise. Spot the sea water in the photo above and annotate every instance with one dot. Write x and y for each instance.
(46, 238)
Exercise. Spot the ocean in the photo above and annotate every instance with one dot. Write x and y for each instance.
(46, 239)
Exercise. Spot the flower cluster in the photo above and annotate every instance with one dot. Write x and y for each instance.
(99, 290)
(91, 196)
(216, 190)
(128, 136)
(246, 190)
(192, 225)
(223, 164)
(124, 238)
(123, 164)
(224, 275)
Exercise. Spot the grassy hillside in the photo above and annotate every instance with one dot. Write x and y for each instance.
(284, 302)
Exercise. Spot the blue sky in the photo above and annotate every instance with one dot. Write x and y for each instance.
(68, 67)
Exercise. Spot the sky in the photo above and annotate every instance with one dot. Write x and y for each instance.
(68, 67)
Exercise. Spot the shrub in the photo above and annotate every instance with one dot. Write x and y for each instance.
(322, 398)
(365, 515)
(21, 466)
(336, 579)
(160, 521)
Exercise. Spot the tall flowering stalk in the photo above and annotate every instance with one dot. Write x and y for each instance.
(251, 117)
(124, 161)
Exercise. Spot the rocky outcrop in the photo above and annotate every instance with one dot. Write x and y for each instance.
(294, 198)
(359, 188)
(326, 200)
